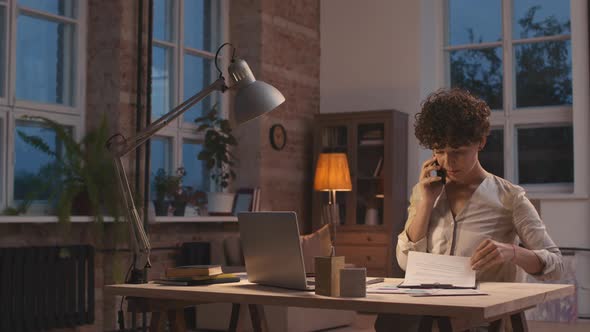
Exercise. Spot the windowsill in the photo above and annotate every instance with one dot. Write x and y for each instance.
(199, 219)
(557, 196)
(88, 219)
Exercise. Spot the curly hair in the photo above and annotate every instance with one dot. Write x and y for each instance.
(452, 118)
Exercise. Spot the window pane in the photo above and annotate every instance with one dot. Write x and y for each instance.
(197, 175)
(160, 158)
(200, 24)
(2, 49)
(537, 18)
(163, 20)
(56, 7)
(197, 75)
(474, 21)
(479, 71)
(492, 155)
(35, 173)
(545, 155)
(543, 74)
(2, 147)
(161, 81)
(44, 61)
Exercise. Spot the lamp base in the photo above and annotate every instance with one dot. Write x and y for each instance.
(138, 276)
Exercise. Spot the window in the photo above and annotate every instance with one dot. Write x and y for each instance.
(3, 146)
(186, 35)
(42, 63)
(518, 55)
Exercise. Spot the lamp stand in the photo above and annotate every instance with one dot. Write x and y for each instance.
(333, 219)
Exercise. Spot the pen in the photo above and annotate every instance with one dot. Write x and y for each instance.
(436, 285)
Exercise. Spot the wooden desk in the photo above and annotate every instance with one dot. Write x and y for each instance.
(504, 299)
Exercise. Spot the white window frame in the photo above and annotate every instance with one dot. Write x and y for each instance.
(3, 153)
(178, 130)
(7, 48)
(508, 119)
(12, 110)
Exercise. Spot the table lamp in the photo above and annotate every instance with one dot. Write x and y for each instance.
(332, 175)
(253, 98)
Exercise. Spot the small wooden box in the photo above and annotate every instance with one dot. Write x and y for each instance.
(353, 282)
(327, 275)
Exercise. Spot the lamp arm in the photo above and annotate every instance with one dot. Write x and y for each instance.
(119, 146)
(123, 147)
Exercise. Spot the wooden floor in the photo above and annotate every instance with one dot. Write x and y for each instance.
(364, 323)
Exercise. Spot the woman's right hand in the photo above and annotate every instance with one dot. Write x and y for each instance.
(430, 186)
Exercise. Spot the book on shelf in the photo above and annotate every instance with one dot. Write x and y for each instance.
(373, 134)
(371, 142)
(199, 280)
(378, 168)
(188, 271)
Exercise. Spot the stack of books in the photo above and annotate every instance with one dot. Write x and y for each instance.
(194, 275)
(256, 200)
(372, 137)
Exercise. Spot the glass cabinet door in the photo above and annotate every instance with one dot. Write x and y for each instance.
(370, 160)
(335, 140)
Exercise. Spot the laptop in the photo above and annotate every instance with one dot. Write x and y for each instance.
(272, 250)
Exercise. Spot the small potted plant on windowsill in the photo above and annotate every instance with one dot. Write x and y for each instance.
(219, 160)
(169, 190)
(161, 189)
(180, 194)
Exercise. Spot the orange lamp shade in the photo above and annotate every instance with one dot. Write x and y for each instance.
(332, 173)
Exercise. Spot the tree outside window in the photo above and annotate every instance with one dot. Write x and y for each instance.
(520, 74)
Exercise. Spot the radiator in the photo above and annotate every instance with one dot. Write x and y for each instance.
(46, 287)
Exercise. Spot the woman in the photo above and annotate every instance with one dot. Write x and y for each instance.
(474, 214)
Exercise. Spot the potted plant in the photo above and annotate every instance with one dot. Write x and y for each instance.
(169, 190)
(161, 189)
(219, 160)
(180, 194)
(84, 169)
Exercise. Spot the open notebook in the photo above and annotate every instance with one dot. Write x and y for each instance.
(424, 270)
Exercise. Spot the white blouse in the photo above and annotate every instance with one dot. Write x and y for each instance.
(498, 210)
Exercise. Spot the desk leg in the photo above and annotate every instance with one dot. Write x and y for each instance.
(134, 321)
(519, 323)
(157, 322)
(258, 318)
(176, 319)
(235, 315)
(497, 326)
(425, 324)
(444, 324)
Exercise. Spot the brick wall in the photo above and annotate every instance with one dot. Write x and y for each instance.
(280, 41)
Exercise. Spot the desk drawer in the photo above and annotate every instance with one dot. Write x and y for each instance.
(369, 257)
(363, 238)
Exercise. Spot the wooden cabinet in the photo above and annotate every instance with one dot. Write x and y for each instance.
(373, 213)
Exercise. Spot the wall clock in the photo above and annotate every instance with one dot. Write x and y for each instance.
(278, 136)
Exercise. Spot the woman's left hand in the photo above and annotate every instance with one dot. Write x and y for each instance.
(490, 253)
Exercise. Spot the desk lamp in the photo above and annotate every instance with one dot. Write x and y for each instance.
(253, 98)
(332, 175)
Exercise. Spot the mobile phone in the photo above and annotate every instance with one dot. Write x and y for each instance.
(441, 173)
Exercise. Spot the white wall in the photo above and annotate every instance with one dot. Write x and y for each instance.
(381, 54)
(367, 63)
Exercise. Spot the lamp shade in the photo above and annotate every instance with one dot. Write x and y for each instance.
(253, 98)
(332, 173)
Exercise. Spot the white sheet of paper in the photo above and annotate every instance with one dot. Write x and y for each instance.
(424, 268)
